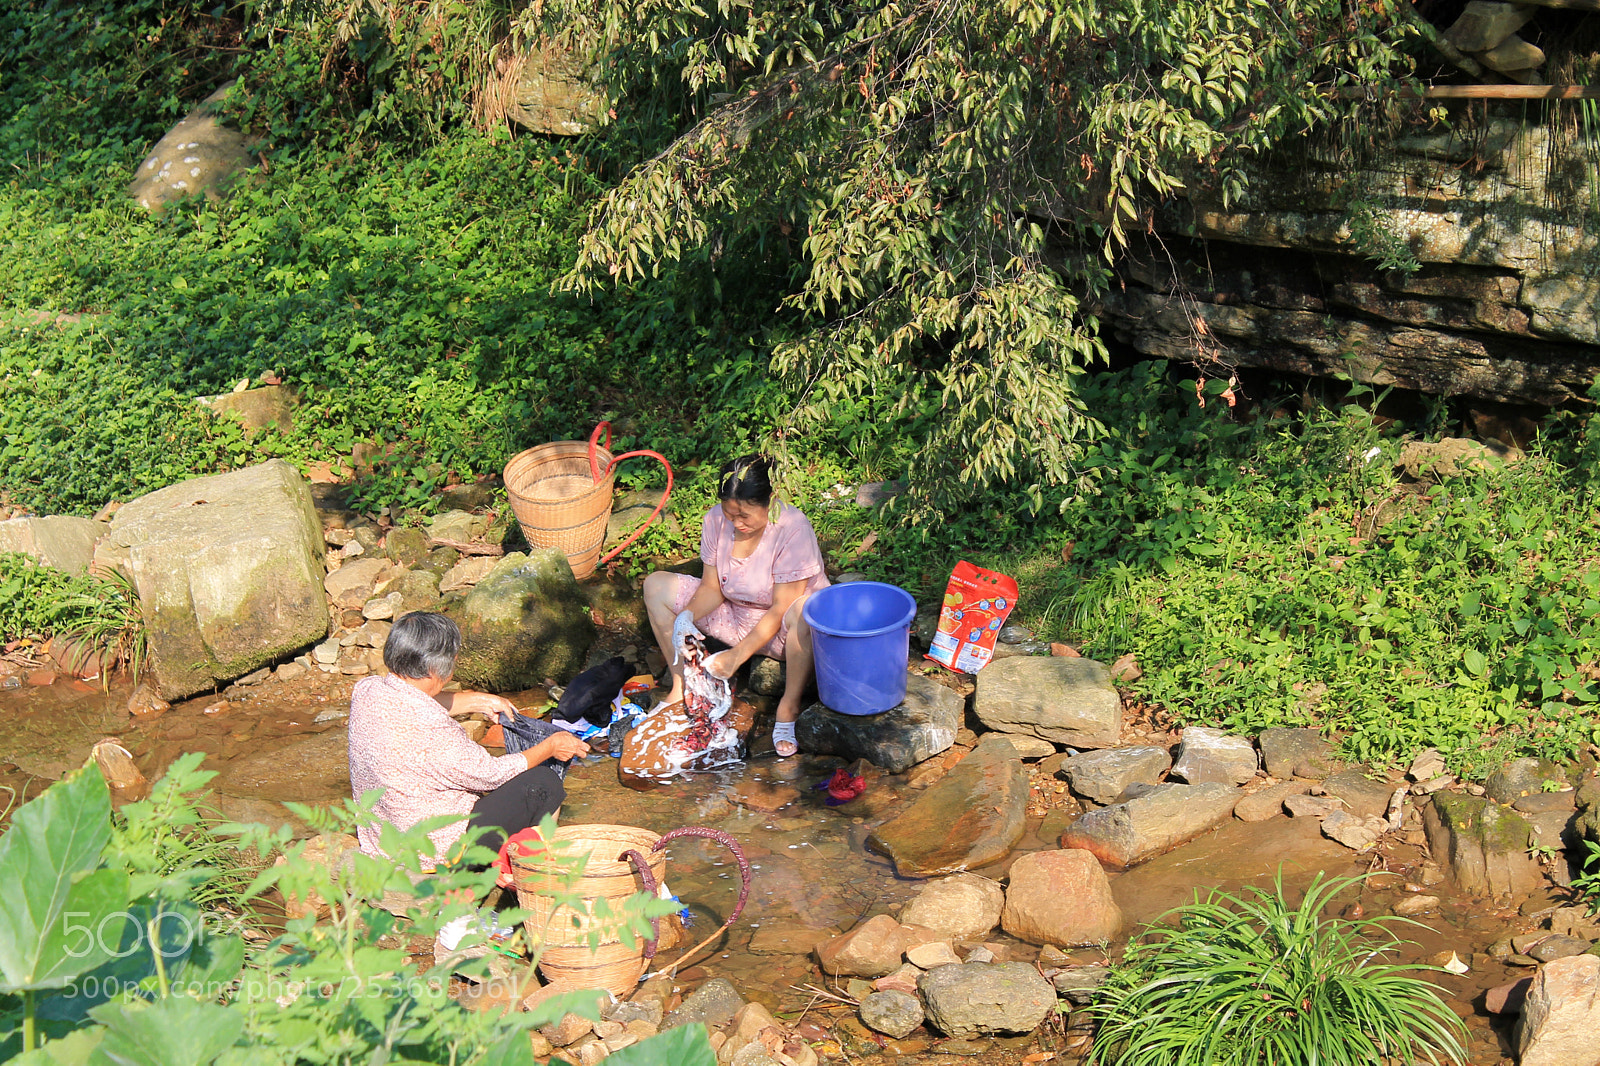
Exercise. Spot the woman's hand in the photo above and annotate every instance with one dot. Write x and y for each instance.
(558, 746)
(460, 704)
(723, 663)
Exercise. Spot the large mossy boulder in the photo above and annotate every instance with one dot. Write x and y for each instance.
(527, 621)
(228, 569)
(1485, 844)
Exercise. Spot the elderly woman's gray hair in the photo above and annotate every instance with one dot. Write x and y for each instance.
(422, 644)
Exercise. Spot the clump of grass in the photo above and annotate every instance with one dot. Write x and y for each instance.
(1250, 980)
(99, 612)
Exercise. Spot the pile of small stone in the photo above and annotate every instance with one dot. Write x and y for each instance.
(932, 965)
(742, 1034)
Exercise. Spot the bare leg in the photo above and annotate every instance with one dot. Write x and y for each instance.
(797, 671)
(659, 592)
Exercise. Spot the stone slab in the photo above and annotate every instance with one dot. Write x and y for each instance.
(921, 727)
(1062, 700)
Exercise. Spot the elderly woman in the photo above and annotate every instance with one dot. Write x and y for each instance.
(761, 562)
(404, 741)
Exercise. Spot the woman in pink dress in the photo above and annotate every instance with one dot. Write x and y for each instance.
(761, 562)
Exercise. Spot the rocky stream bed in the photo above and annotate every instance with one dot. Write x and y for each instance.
(1011, 829)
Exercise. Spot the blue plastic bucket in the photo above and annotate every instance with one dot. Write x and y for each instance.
(861, 644)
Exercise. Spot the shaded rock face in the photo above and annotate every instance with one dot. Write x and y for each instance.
(198, 156)
(921, 727)
(1561, 1014)
(1061, 898)
(1485, 844)
(1103, 776)
(975, 998)
(228, 569)
(1062, 700)
(1128, 833)
(526, 621)
(256, 409)
(961, 907)
(1290, 753)
(1501, 309)
(62, 542)
(555, 94)
(971, 817)
(1523, 777)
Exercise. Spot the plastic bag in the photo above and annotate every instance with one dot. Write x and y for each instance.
(976, 604)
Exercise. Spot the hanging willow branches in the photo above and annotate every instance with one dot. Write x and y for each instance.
(951, 178)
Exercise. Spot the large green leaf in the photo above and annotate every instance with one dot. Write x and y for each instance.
(73, 1049)
(197, 964)
(176, 1031)
(52, 911)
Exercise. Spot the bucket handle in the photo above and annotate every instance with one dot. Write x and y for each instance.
(744, 881)
(597, 473)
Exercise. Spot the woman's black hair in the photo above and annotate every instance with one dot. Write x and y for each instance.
(422, 644)
(747, 479)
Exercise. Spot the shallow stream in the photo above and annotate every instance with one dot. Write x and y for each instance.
(812, 872)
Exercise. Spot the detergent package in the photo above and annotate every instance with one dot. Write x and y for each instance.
(976, 603)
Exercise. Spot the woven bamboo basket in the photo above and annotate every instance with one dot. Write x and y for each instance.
(617, 862)
(561, 495)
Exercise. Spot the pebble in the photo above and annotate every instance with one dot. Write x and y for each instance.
(326, 653)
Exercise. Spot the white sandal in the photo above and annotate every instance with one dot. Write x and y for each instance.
(783, 734)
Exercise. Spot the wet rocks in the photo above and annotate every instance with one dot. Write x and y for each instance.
(1352, 830)
(1290, 753)
(228, 570)
(1416, 906)
(1268, 803)
(1131, 832)
(146, 702)
(1103, 776)
(971, 817)
(1065, 701)
(892, 1013)
(1556, 947)
(766, 676)
(763, 796)
(921, 727)
(63, 542)
(1061, 898)
(1212, 755)
(1485, 844)
(871, 949)
(526, 621)
(1560, 1014)
(977, 998)
(1078, 983)
(713, 1005)
(962, 906)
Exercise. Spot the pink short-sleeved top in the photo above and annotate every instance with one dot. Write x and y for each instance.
(788, 551)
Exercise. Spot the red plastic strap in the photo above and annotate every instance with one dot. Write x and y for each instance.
(660, 504)
(594, 459)
(726, 841)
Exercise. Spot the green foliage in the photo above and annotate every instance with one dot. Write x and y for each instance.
(1587, 883)
(1254, 981)
(100, 612)
(910, 167)
(1280, 573)
(122, 955)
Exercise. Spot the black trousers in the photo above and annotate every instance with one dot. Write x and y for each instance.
(519, 804)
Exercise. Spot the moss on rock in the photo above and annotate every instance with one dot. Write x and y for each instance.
(525, 622)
